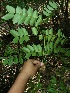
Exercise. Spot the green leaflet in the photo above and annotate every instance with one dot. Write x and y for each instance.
(35, 14)
(26, 49)
(5, 62)
(24, 12)
(14, 33)
(15, 40)
(48, 46)
(47, 32)
(51, 45)
(23, 16)
(46, 37)
(21, 40)
(59, 33)
(57, 40)
(27, 55)
(10, 9)
(48, 52)
(18, 10)
(50, 8)
(68, 53)
(20, 32)
(21, 60)
(34, 53)
(24, 31)
(15, 59)
(16, 18)
(63, 50)
(30, 11)
(30, 47)
(55, 45)
(53, 4)
(51, 31)
(22, 19)
(34, 17)
(62, 41)
(39, 48)
(56, 50)
(27, 20)
(26, 38)
(63, 36)
(48, 11)
(35, 48)
(40, 53)
(39, 21)
(34, 30)
(59, 48)
(8, 16)
(49, 38)
(45, 13)
(53, 38)
(32, 21)
(10, 60)
(40, 37)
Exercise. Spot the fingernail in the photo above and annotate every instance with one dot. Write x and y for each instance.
(42, 63)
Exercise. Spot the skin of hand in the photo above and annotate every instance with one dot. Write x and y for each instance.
(31, 66)
(29, 69)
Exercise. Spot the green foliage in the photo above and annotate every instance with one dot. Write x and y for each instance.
(50, 8)
(32, 50)
(55, 87)
(51, 42)
(28, 16)
(20, 35)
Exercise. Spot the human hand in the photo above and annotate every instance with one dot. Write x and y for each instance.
(31, 66)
